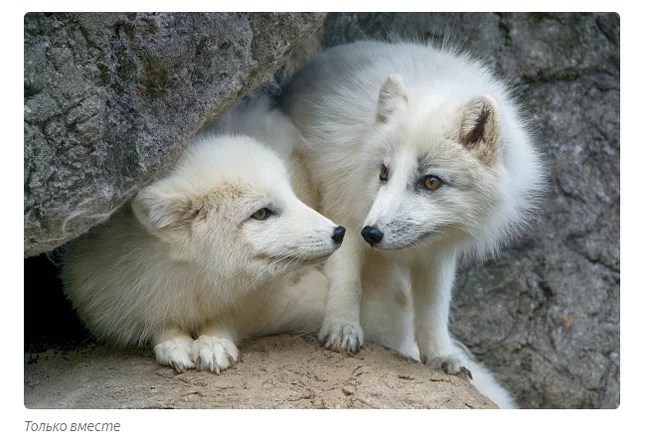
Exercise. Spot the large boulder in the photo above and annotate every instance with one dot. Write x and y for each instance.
(112, 99)
(545, 316)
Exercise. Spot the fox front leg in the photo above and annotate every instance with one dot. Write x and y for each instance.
(432, 285)
(341, 329)
(214, 349)
(173, 347)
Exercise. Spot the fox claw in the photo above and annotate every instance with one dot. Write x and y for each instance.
(341, 337)
(451, 366)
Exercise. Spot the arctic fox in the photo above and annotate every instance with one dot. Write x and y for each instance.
(422, 154)
(209, 253)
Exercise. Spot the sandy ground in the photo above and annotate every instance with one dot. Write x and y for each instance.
(274, 372)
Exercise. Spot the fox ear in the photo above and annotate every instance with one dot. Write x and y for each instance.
(480, 128)
(393, 97)
(156, 210)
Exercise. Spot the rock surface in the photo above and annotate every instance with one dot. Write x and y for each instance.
(112, 99)
(275, 372)
(545, 316)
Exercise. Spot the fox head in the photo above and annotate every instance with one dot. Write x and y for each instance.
(228, 207)
(435, 167)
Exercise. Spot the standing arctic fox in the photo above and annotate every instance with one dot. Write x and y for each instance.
(208, 254)
(422, 153)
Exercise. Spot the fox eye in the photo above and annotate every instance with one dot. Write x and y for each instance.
(262, 214)
(383, 174)
(431, 182)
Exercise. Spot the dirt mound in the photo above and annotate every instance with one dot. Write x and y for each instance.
(274, 372)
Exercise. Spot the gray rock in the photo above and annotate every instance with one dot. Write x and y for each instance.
(544, 316)
(112, 99)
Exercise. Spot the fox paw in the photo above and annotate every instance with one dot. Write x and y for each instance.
(450, 365)
(176, 352)
(214, 354)
(341, 337)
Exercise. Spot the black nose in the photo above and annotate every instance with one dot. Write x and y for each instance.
(372, 235)
(338, 234)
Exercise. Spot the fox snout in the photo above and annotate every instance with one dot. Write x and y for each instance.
(372, 234)
(339, 233)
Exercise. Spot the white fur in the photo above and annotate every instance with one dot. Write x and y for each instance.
(187, 269)
(419, 111)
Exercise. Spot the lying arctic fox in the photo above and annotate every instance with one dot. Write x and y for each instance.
(209, 253)
(422, 153)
